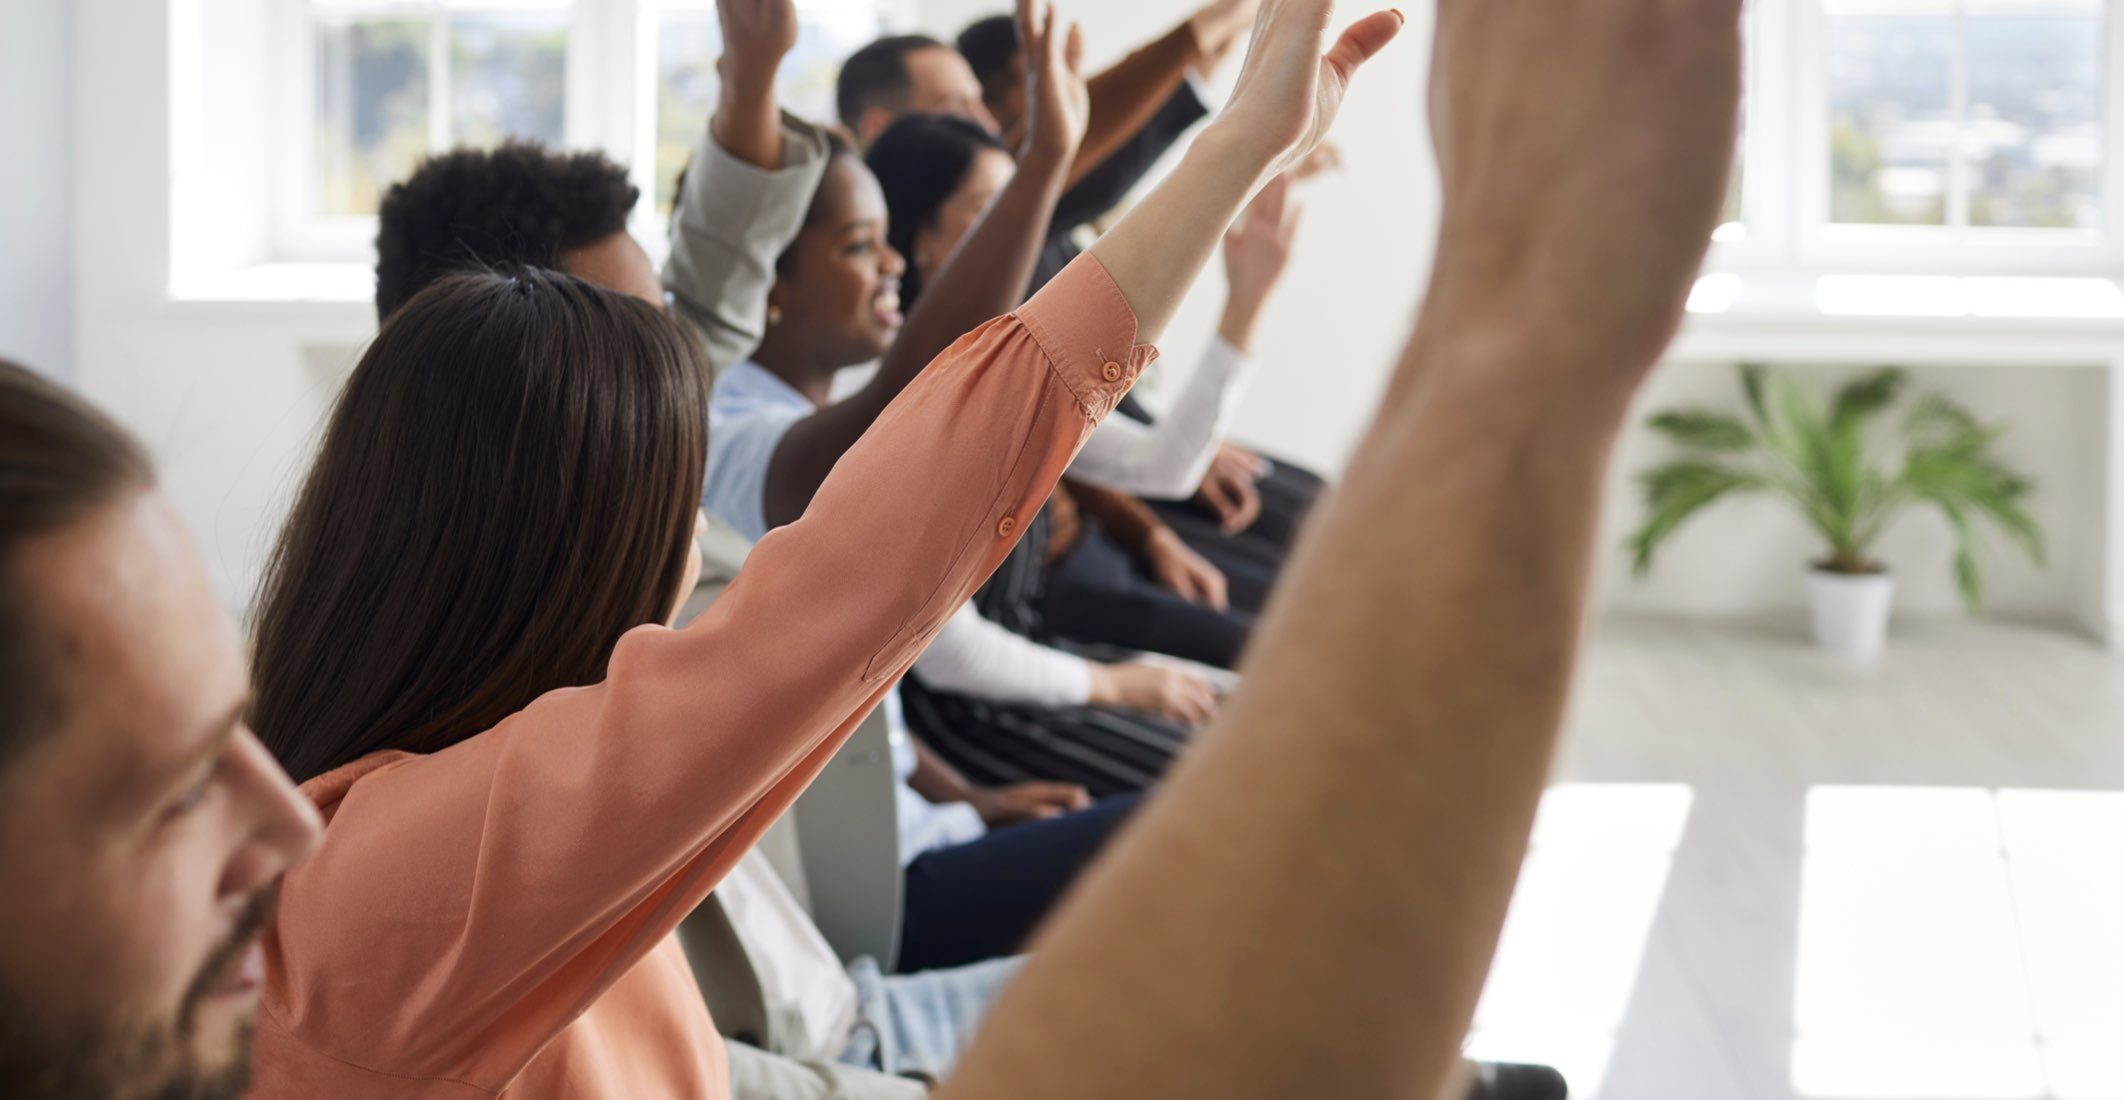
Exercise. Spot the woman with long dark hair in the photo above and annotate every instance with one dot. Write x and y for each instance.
(527, 780)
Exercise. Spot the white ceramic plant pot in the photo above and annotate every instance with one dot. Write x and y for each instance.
(1850, 612)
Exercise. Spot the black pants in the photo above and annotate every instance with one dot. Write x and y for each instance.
(1287, 495)
(1106, 750)
(1097, 593)
(983, 899)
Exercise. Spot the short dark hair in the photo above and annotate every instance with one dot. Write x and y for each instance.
(507, 484)
(920, 161)
(988, 45)
(519, 203)
(876, 75)
(60, 460)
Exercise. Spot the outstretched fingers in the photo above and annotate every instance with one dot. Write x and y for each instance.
(1363, 40)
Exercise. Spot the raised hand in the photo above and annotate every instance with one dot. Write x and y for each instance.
(1057, 104)
(1218, 26)
(1285, 100)
(1288, 92)
(757, 34)
(1588, 178)
(1257, 247)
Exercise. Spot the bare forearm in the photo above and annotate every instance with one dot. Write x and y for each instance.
(746, 121)
(1131, 523)
(1127, 94)
(1407, 684)
(936, 780)
(1158, 248)
(1236, 325)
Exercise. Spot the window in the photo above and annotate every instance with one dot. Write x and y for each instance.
(688, 41)
(1969, 113)
(1890, 135)
(366, 88)
(392, 82)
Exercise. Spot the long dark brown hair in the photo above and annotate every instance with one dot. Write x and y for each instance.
(507, 484)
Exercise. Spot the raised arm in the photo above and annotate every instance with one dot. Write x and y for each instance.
(746, 189)
(985, 276)
(1342, 847)
(1167, 460)
(562, 846)
(1110, 181)
(1128, 94)
(586, 826)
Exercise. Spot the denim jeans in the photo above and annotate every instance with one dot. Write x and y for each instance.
(919, 1024)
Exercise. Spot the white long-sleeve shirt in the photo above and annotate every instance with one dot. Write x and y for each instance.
(1162, 461)
(972, 655)
(1167, 460)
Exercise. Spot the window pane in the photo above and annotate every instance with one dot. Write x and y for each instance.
(688, 43)
(1891, 117)
(372, 109)
(508, 76)
(686, 85)
(2034, 136)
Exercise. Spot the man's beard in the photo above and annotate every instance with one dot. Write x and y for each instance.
(41, 1059)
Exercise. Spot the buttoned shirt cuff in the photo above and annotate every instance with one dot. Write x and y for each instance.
(1084, 324)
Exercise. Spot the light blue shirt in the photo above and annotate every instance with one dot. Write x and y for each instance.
(748, 412)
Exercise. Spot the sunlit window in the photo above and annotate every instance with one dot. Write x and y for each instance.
(375, 85)
(1965, 112)
(395, 81)
(688, 42)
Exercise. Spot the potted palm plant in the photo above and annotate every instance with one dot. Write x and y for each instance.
(1848, 479)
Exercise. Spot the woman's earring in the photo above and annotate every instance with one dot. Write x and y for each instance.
(774, 315)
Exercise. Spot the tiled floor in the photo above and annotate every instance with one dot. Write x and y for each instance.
(1765, 876)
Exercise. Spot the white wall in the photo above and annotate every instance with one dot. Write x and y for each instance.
(37, 181)
(229, 394)
(1363, 251)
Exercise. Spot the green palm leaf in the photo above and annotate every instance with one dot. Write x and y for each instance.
(1676, 491)
(1868, 394)
(1820, 453)
(1703, 430)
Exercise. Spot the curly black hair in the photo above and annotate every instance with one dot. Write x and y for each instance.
(519, 203)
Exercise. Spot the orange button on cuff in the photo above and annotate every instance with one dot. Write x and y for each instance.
(1112, 371)
(1005, 526)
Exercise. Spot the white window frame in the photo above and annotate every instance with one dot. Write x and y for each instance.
(1787, 226)
(299, 231)
(611, 102)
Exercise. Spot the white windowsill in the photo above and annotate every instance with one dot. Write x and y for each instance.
(1975, 320)
(2004, 320)
(278, 282)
